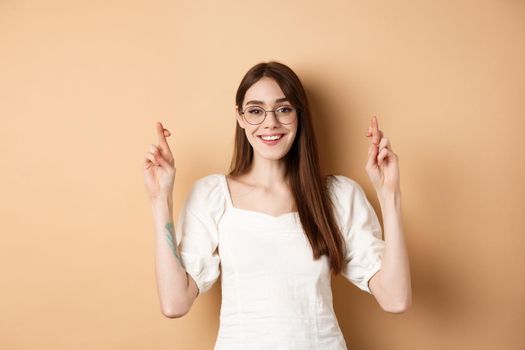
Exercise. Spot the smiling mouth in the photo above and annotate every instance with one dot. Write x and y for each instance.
(271, 138)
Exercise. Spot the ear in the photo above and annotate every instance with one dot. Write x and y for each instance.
(238, 116)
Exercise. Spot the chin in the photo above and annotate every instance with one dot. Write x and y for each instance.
(268, 153)
(271, 155)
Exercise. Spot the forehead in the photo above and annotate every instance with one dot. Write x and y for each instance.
(265, 89)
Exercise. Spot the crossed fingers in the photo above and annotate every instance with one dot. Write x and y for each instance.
(157, 153)
(163, 143)
(377, 136)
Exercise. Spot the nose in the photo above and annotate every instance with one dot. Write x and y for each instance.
(271, 119)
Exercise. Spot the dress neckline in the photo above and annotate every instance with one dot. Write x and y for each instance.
(247, 211)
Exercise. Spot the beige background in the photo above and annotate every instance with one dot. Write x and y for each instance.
(83, 82)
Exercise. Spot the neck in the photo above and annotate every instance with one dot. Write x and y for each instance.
(267, 172)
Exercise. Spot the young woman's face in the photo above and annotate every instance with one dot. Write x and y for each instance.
(267, 94)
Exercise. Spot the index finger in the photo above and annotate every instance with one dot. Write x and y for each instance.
(375, 131)
(163, 143)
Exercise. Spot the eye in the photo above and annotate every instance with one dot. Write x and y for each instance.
(254, 110)
(284, 109)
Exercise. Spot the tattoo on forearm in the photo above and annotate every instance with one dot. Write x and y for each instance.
(171, 240)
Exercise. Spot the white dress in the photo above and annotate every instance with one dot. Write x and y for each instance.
(274, 294)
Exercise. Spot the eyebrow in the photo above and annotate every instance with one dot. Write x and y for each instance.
(261, 102)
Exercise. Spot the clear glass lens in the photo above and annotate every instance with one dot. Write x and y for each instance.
(256, 115)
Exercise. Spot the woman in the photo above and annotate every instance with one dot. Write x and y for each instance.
(274, 229)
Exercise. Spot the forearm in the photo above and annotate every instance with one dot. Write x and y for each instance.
(172, 281)
(394, 276)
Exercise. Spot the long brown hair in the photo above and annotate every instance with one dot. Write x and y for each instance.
(302, 168)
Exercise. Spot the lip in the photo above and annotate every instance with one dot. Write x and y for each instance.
(275, 134)
(271, 142)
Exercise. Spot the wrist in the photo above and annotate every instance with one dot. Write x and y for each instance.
(390, 197)
(161, 200)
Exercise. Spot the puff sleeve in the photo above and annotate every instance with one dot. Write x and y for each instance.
(197, 234)
(361, 231)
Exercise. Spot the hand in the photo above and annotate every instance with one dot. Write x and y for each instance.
(383, 164)
(159, 167)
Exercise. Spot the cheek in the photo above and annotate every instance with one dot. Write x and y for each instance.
(249, 134)
(294, 132)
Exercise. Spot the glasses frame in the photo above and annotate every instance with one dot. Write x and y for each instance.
(295, 110)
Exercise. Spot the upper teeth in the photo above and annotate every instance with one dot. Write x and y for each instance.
(274, 137)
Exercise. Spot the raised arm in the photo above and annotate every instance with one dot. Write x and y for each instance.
(392, 284)
(177, 290)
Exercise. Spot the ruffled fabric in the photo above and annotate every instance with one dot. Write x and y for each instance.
(274, 294)
(361, 230)
(197, 231)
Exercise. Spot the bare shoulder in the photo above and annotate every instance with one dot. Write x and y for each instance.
(239, 185)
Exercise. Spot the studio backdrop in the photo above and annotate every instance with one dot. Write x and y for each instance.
(82, 84)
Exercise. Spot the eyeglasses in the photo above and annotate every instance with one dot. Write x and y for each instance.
(255, 115)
